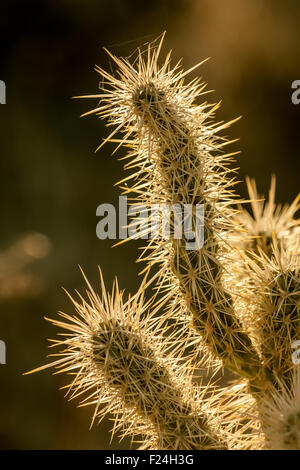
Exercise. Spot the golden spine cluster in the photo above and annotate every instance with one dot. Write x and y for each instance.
(118, 360)
(239, 291)
(180, 162)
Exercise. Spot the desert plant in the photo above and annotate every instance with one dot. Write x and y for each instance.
(232, 303)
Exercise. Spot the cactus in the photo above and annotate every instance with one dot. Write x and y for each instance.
(232, 303)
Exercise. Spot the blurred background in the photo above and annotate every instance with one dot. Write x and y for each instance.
(51, 181)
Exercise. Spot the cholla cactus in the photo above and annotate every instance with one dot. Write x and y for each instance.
(237, 296)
